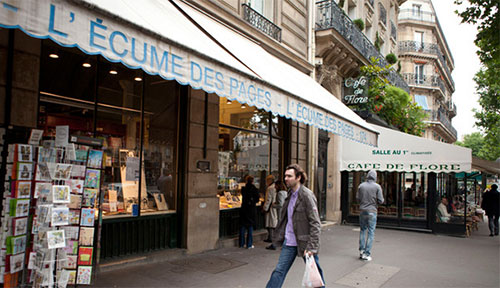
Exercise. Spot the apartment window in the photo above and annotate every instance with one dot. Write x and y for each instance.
(416, 10)
(419, 73)
(419, 40)
(264, 7)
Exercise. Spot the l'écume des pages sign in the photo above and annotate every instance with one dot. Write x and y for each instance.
(355, 91)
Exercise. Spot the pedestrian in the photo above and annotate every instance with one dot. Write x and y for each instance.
(280, 197)
(271, 215)
(248, 212)
(491, 205)
(369, 196)
(299, 228)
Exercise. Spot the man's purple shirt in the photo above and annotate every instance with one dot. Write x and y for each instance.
(289, 235)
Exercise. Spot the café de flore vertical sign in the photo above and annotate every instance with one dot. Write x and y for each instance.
(355, 91)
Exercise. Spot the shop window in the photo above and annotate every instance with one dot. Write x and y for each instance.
(246, 147)
(414, 195)
(450, 203)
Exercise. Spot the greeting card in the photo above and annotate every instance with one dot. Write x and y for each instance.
(84, 275)
(19, 226)
(43, 192)
(55, 239)
(16, 263)
(42, 172)
(76, 202)
(76, 186)
(92, 178)
(95, 159)
(60, 216)
(21, 189)
(60, 194)
(87, 217)
(86, 236)
(24, 171)
(44, 214)
(71, 262)
(89, 197)
(85, 255)
(62, 172)
(74, 217)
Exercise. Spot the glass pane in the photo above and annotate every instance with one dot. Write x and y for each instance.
(243, 116)
(241, 153)
(414, 195)
(389, 183)
(355, 178)
(450, 202)
(160, 144)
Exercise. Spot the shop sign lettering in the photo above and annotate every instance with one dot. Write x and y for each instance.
(425, 167)
(355, 91)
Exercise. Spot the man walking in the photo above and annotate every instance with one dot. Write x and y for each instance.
(490, 204)
(299, 226)
(369, 196)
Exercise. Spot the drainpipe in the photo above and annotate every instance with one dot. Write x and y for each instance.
(313, 131)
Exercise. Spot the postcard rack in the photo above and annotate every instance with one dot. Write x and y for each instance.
(51, 215)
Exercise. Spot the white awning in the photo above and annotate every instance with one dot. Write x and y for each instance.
(402, 152)
(158, 38)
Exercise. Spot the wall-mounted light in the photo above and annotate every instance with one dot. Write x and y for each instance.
(243, 106)
(53, 55)
(229, 102)
(86, 64)
(113, 72)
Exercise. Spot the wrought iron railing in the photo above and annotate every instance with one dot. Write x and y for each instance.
(382, 13)
(426, 48)
(262, 23)
(452, 108)
(440, 116)
(372, 2)
(330, 16)
(394, 31)
(425, 81)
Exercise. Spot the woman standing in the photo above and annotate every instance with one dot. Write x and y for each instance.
(248, 212)
(271, 215)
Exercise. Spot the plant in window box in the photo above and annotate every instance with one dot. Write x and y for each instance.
(359, 23)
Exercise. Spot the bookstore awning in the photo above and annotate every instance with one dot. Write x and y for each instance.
(402, 152)
(173, 40)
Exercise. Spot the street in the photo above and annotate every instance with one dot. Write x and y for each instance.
(400, 259)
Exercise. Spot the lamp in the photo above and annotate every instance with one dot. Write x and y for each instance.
(243, 106)
(228, 102)
(53, 55)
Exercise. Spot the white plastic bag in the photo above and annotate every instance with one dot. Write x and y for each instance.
(311, 278)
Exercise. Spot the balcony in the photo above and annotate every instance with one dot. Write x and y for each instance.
(410, 14)
(262, 23)
(330, 16)
(425, 48)
(425, 81)
(440, 116)
(452, 108)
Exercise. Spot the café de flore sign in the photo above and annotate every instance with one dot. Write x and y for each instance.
(355, 91)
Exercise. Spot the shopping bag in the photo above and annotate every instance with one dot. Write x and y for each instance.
(311, 278)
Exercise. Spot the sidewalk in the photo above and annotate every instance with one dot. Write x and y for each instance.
(400, 259)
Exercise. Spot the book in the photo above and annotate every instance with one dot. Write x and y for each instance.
(19, 226)
(74, 217)
(76, 202)
(87, 217)
(76, 186)
(89, 197)
(86, 236)
(62, 172)
(19, 207)
(21, 189)
(84, 275)
(85, 255)
(60, 216)
(56, 239)
(60, 194)
(43, 192)
(92, 178)
(95, 158)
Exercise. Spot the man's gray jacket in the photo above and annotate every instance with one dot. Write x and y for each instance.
(369, 193)
(306, 222)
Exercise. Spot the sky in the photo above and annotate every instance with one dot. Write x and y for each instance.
(460, 38)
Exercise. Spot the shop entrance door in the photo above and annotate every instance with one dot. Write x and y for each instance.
(321, 174)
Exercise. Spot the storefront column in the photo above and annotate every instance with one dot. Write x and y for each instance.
(202, 213)
(333, 192)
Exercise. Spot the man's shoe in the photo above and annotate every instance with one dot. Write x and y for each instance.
(366, 258)
(491, 235)
(361, 252)
(268, 240)
(271, 247)
(251, 247)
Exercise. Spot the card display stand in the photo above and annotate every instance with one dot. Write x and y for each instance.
(51, 216)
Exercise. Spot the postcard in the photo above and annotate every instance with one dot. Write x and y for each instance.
(78, 171)
(84, 275)
(92, 178)
(71, 247)
(31, 260)
(71, 262)
(76, 186)
(42, 172)
(60, 216)
(19, 207)
(55, 239)
(71, 232)
(19, 226)
(60, 194)
(81, 153)
(76, 202)
(87, 217)
(46, 155)
(24, 153)
(35, 137)
(43, 192)
(70, 152)
(16, 263)
(74, 217)
(72, 277)
(62, 172)
(95, 159)
(16, 244)
(24, 171)
(44, 213)
(86, 236)
(85, 255)
(22, 189)
(89, 197)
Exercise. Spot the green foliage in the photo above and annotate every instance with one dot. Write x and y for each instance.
(378, 41)
(359, 23)
(391, 58)
(391, 103)
(485, 15)
(341, 3)
(474, 141)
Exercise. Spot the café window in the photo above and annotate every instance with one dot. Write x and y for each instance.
(133, 113)
(250, 143)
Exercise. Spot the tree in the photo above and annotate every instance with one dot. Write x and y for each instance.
(474, 141)
(485, 15)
